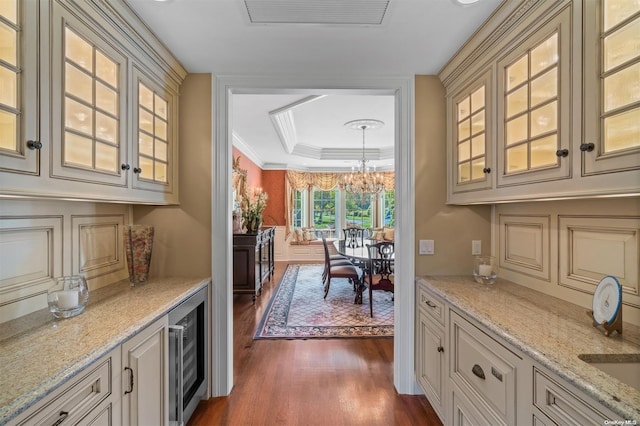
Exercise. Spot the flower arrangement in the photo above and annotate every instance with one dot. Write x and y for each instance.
(252, 207)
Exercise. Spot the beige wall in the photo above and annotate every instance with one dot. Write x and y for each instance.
(452, 227)
(182, 242)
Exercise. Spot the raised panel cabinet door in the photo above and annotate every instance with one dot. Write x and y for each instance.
(145, 393)
(88, 103)
(534, 106)
(611, 114)
(20, 142)
(430, 361)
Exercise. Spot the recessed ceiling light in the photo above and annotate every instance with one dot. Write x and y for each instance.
(465, 2)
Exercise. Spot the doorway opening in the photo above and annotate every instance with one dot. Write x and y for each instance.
(224, 88)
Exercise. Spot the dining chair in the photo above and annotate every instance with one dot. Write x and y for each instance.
(333, 260)
(338, 269)
(353, 237)
(379, 270)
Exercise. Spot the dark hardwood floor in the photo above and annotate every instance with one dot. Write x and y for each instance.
(309, 382)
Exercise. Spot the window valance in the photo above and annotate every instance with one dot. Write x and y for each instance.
(328, 181)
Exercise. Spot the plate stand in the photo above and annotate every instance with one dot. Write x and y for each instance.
(608, 327)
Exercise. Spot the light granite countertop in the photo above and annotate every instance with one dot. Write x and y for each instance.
(551, 331)
(38, 353)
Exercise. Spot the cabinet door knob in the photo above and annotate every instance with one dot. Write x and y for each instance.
(34, 145)
(125, 166)
(477, 370)
(137, 170)
(486, 170)
(562, 152)
(440, 349)
(587, 147)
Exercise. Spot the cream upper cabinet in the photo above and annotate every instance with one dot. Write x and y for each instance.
(154, 134)
(88, 103)
(564, 77)
(471, 149)
(19, 120)
(97, 101)
(611, 140)
(533, 114)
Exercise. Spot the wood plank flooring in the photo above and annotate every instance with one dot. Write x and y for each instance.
(309, 382)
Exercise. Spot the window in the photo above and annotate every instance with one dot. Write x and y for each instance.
(358, 210)
(153, 145)
(9, 76)
(337, 209)
(389, 208)
(91, 99)
(324, 209)
(298, 209)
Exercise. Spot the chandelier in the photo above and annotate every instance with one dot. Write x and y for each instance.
(362, 180)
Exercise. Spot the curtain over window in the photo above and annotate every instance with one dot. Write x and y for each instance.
(324, 181)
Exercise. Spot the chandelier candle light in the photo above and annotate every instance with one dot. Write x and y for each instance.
(362, 180)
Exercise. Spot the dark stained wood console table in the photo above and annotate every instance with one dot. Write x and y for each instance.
(253, 260)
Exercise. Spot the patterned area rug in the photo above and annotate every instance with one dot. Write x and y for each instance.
(298, 310)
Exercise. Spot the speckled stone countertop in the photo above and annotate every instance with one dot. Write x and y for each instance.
(551, 331)
(38, 353)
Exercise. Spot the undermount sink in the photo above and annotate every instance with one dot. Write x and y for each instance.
(624, 367)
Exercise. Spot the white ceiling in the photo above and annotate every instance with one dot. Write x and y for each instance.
(414, 37)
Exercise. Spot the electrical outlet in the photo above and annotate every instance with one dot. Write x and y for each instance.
(427, 247)
(476, 247)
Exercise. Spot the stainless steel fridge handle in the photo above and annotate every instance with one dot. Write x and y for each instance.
(178, 334)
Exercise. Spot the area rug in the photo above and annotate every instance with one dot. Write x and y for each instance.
(298, 309)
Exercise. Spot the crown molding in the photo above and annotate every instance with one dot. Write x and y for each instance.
(243, 147)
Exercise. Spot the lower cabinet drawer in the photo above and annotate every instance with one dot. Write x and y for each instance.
(484, 369)
(562, 406)
(77, 399)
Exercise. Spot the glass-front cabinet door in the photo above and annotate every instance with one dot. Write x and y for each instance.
(88, 107)
(611, 120)
(154, 134)
(534, 84)
(471, 151)
(19, 127)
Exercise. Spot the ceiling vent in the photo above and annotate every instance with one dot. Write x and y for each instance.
(332, 12)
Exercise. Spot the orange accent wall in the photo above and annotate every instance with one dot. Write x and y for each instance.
(271, 182)
(254, 173)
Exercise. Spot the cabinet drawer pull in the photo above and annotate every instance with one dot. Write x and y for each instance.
(477, 370)
(440, 349)
(562, 152)
(430, 304)
(34, 145)
(587, 147)
(63, 415)
(130, 380)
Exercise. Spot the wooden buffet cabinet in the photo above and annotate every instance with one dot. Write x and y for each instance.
(253, 260)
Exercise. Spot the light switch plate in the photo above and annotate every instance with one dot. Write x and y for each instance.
(426, 247)
(476, 247)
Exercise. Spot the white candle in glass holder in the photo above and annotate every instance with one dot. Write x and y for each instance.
(484, 270)
(68, 299)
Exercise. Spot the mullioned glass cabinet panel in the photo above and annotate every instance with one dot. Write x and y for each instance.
(612, 92)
